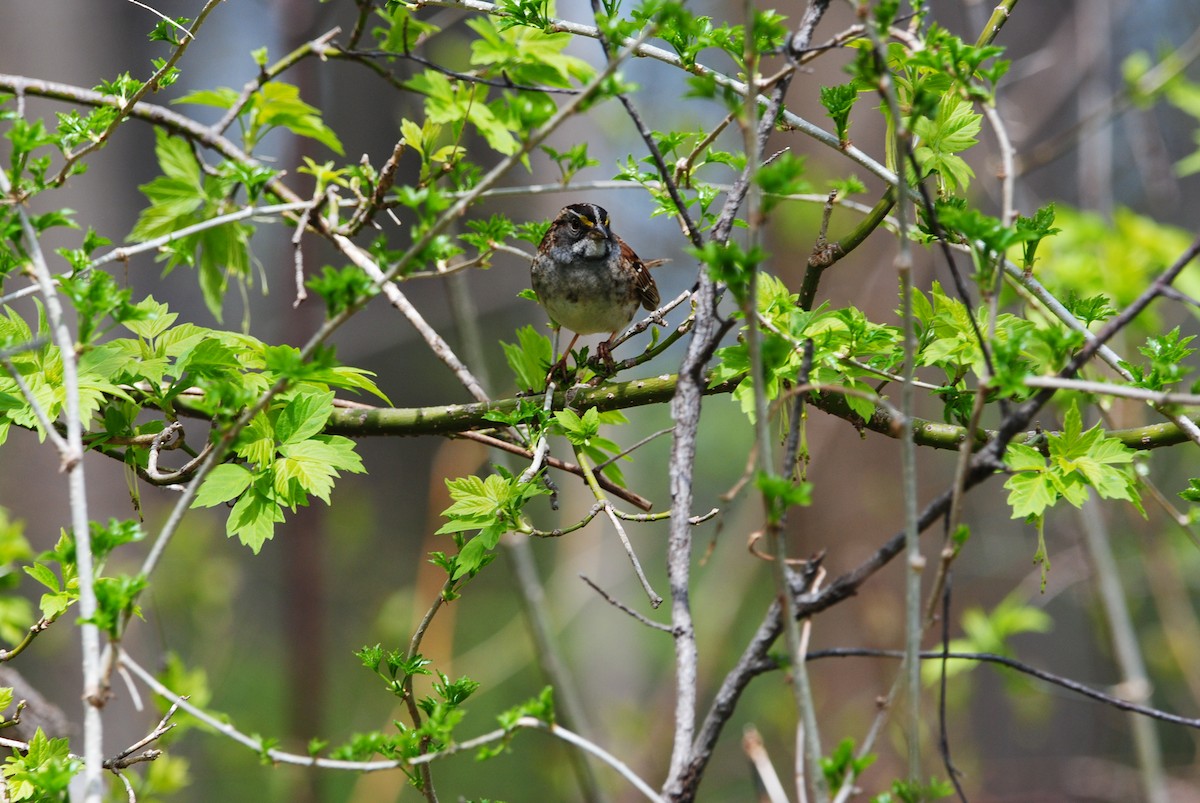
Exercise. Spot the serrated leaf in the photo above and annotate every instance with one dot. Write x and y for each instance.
(314, 465)
(304, 415)
(253, 520)
(1030, 490)
(153, 319)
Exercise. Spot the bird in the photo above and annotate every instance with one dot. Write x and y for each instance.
(588, 279)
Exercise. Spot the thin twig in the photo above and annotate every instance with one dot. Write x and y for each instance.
(283, 757)
(625, 608)
(655, 598)
(163, 17)
(121, 760)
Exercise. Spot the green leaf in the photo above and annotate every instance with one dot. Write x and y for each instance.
(44, 772)
(253, 519)
(781, 493)
(1192, 492)
(303, 416)
(838, 101)
(224, 483)
(222, 98)
(579, 430)
(1030, 489)
(952, 130)
(313, 464)
(152, 319)
(474, 553)
(529, 358)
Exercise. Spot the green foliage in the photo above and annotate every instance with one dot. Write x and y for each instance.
(846, 348)
(1167, 354)
(915, 791)
(287, 460)
(165, 31)
(838, 101)
(989, 632)
(16, 612)
(43, 773)
(570, 161)
(584, 434)
(184, 196)
(947, 339)
(443, 711)
(274, 105)
(526, 55)
(989, 239)
(540, 708)
(492, 506)
(942, 137)
(485, 235)
(529, 358)
(1116, 257)
(342, 288)
(62, 588)
(286, 457)
(1076, 460)
(1031, 232)
(731, 265)
(947, 55)
(842, 765)
(780, 494)
(395, 667)
(781, 177)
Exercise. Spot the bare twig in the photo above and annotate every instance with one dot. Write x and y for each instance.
(625, 608)
(123, 759)
(756, 751)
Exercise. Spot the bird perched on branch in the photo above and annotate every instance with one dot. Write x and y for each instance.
(588, 279)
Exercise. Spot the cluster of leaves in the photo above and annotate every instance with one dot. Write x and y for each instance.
(989, 632)
(490, 507)
(287, 460)
(186, 195)
(847, 350)
(42, 773)
(168, 367)
(1074, 461)
(16, 613)
(443, 711)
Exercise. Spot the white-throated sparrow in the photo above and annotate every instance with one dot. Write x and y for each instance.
(588, 279)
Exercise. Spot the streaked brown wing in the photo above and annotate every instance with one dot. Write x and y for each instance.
(647, 290)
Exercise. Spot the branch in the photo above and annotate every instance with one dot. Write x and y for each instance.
(1012, 663)
(295, 759)
(73, 465)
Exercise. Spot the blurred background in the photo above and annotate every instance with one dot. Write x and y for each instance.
(275, 633)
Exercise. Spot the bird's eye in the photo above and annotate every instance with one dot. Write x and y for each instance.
(573, 225)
